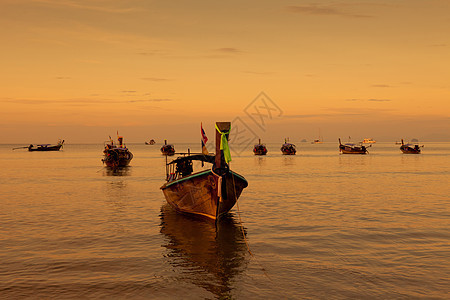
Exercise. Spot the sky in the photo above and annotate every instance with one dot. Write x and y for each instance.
(81, 70)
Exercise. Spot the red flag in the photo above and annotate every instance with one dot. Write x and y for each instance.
(204, 140)
(204, 137)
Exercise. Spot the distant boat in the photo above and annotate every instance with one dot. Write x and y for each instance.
(288, 148)
(350, 148)
(167, 149)
(368, 141)
(209, 193)
(116, 156)
(44, 147)
(152, 142)
(319, 140)
(410, 148)
(260, 149)
(398, 143)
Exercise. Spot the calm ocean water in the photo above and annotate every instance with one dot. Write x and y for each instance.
(319, 225)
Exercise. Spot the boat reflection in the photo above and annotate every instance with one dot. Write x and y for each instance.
(118, 171)
(260, 161)
(289, 160)
(212, 257)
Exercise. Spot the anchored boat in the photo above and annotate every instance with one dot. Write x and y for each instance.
(167, 149)
(116, 155)
(288, 148)
(350, 148)
(152, 142)
(410, 148)
(319, 140)
(260, 149)
(369, 141)
(208, 193)
(43, 147)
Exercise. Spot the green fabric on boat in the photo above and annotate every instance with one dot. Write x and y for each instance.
(224, 144)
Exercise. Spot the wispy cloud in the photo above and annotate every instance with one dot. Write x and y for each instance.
(306, 116)
(379, 100)
(82, 101)
(228, 50)
(439, 45)
(323, 10)
(152, 100)
(153, 53)
(88, 6)
(380, 85)
(365, 100)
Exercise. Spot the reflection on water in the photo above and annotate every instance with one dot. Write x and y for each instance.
(353, 160)
(120, 171)
(289, 160)
(260, 160)
(208, 257)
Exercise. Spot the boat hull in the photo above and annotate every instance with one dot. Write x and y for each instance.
(51, 148)
(115, 159)
(349, 150)
(288, 153)
(260, 152)
(409, 150)
(200, 193)
(168, 150)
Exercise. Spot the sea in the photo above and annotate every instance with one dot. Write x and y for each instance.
(316, 225)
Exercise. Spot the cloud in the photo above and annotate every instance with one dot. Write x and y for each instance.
(380, 85)
(371, 99)
(152, 100)
(77, 5)
(379, 100)
(228, 50)
(313, 9)
(305, 116)
(335, 114)
(78, 102)
(153, 53)
(439, 45)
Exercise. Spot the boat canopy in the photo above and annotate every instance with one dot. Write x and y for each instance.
(201, 157)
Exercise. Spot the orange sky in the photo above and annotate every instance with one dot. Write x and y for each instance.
(80, 70)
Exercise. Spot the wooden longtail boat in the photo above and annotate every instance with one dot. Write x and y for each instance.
(288, 148)
(209, 193)
(260, 149)
(116, 156)
(350, 148)
(46, 147)
(152, 142)
(410, 148)
(167, 149)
